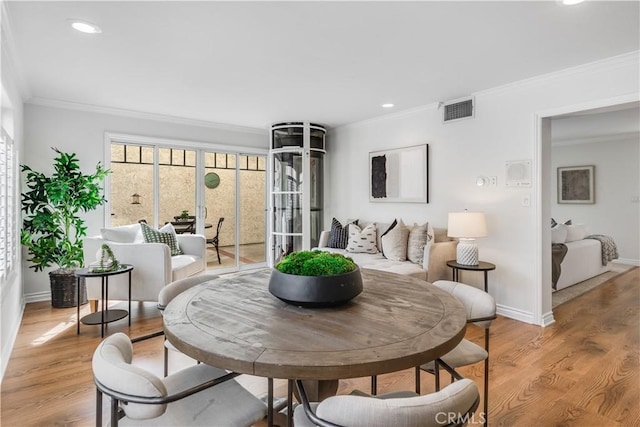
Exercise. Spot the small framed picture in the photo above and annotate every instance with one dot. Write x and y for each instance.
(576, 184)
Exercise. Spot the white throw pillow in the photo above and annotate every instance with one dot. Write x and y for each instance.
(362, 241)
(394, 242)
(123, 234)
(559, 234)
(576, 232)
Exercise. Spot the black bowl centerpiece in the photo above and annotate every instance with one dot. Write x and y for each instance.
(315, 279)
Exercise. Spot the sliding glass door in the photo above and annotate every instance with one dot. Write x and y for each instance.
(219, 194)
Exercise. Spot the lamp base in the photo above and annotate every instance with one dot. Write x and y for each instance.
(467, 252)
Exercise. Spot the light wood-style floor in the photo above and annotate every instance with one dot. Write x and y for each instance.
(582, 371)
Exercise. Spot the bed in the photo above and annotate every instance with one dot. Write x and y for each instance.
(585, 256)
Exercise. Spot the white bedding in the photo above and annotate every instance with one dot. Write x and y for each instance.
(582, 262)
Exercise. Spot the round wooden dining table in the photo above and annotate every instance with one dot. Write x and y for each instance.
(234, 323)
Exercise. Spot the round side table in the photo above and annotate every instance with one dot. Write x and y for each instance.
(105, 315)
(482, 266)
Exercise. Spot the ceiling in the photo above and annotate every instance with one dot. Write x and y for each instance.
(256, 63)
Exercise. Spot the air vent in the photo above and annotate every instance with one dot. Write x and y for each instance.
(458, 109)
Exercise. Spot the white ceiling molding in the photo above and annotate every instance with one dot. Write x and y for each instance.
(54, 103)
(593, 139)
(611, 63)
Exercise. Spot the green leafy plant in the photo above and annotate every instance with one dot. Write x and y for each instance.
(52, 229)
(108, 261)
(315, 263)
(184, 214)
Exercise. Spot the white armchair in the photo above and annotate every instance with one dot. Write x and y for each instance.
(153, 265)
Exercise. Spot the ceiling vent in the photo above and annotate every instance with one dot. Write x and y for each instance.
(458, 109)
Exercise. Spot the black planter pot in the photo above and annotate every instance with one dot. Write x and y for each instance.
(315, 291)
(64, 290)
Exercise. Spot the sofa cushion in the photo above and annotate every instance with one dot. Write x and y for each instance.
(131, 233)
(418, 239)
(362, 241)
(576, 232)
(166, 235)
(559, 233)
(379, 262)
(184, 266)
(394, 242)
(339, 235)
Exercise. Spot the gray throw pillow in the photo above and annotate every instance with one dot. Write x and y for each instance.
(418, 239)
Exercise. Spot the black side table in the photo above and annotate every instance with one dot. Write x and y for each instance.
(105, 315)
(482, 266)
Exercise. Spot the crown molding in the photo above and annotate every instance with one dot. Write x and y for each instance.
(626, 59)
(609, 137)
(90, 108)
(619, 61)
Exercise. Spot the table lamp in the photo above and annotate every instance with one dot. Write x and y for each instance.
(467, 226)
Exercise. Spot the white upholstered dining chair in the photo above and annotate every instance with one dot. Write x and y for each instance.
(452, 406)
(199, 395)
(481, 311)
(171, 291)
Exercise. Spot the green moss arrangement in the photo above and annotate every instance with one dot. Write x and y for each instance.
(315, 263)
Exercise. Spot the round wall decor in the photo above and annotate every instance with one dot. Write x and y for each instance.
(211, 180)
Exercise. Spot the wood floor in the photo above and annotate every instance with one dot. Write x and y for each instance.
(582, 371)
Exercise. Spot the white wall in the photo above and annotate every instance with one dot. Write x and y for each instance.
(11, 291)
(84, 133)
(617, 183)
(504, 129)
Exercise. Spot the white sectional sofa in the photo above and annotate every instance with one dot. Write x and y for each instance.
(153, 265)
(437, 252)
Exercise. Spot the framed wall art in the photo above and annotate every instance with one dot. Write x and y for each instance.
(399, 175)
(576, 184)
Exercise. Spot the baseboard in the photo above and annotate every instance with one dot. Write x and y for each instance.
(37, 297)
(515, 314)
(548, 319)
(8, 348)
(627, 261)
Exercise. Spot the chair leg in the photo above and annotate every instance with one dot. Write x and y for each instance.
(218, 253)
(289, 403)
(166, 360)
(114, 412)
(486, 391)
(269, 401)
(374, 385)
(486, 378)
(98, 408)
(417, 375)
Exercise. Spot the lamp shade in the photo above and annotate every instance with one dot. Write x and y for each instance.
(467, 224)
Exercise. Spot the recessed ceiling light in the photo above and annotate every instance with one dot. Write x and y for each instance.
(571, 2)
(388, 105)
(85, 26)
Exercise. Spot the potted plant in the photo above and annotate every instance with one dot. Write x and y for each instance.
(184, 215)
(52, 228)
(315, 279)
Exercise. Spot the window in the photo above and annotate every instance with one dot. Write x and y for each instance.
(8, 220)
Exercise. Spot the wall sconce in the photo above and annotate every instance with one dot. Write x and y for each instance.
(135, 199)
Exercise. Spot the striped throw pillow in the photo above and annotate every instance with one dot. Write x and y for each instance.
(339, 235)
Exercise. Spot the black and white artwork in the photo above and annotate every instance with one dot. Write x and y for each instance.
(576, 185)
(399, 175)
